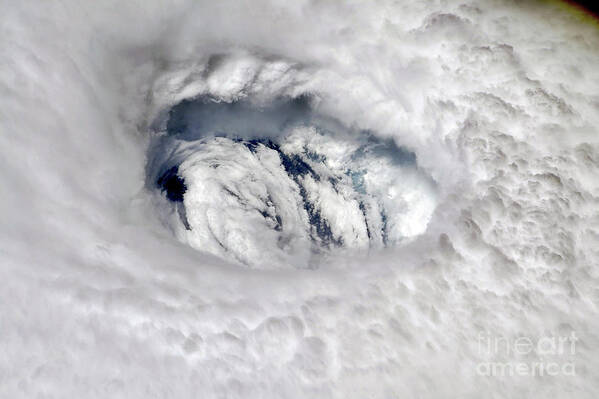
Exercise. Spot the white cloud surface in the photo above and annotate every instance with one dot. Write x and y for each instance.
(499, 101)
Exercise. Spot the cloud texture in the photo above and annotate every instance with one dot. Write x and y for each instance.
(104, 295)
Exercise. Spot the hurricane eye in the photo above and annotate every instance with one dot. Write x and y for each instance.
(280, 184)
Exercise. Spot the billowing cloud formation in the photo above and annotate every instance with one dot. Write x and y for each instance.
(497, 101)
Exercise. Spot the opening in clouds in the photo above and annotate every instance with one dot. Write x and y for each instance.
(279, 184)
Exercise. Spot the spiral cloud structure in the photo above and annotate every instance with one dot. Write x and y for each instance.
(299, 199)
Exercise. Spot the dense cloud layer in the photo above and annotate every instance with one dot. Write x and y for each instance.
(114, 287)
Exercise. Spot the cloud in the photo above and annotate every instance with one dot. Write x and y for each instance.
(498, 102)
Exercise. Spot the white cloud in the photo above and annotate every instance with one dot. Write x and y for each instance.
(498, 100)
